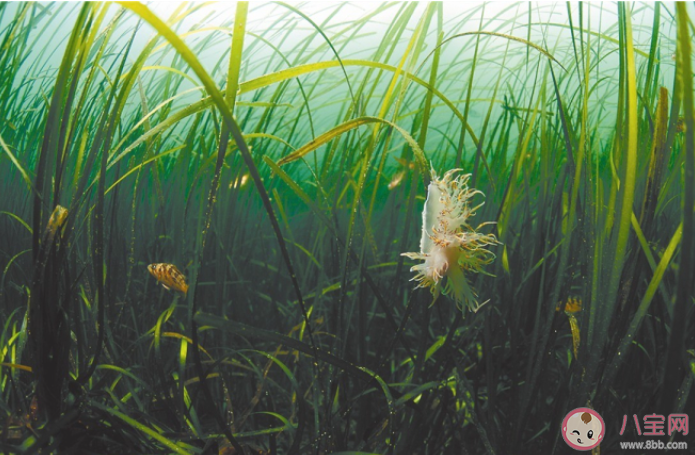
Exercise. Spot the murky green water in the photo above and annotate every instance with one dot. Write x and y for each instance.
(204, 209)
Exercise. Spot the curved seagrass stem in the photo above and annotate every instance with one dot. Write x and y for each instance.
(219, 101)
(222, 104)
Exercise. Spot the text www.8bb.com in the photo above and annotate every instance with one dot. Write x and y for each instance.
(658, 445)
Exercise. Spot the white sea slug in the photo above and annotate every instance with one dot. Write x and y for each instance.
(449, 246)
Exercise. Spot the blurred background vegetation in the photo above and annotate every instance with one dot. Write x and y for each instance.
(279, 155)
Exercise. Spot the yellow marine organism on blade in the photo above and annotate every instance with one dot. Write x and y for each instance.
(574, 327)
(572, 305)
(170, 277)
(55, 222)
(449, 246)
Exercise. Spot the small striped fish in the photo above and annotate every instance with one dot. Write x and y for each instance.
(169, 276)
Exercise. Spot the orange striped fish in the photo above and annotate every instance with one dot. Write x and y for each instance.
(170, 277)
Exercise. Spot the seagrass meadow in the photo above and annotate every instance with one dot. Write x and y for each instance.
(281, 157)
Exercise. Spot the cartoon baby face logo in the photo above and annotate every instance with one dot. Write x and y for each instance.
(583, 429)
